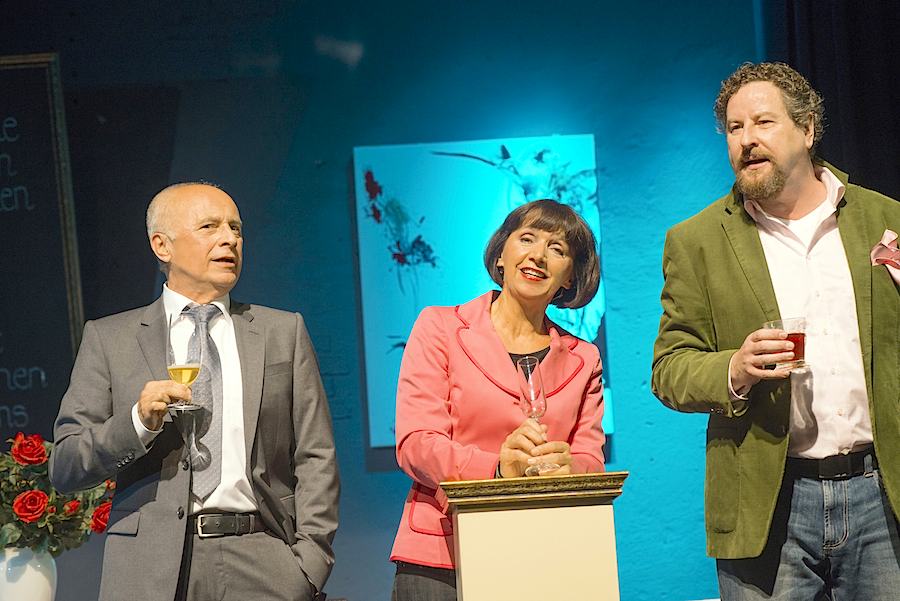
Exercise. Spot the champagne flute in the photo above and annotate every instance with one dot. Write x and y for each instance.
(533, 402)
(183, 366)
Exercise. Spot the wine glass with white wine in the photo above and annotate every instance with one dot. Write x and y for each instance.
(533, 403)
(183, 364)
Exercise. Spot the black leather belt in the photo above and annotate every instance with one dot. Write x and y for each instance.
(832, 468)
(225, 524)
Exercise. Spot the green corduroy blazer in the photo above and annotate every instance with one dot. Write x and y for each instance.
(717, 290)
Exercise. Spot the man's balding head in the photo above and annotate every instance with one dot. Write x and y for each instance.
(195, 233)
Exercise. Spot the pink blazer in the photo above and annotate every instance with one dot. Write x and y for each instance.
(457, 401)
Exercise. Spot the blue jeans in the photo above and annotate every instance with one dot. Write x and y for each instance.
(830, 540)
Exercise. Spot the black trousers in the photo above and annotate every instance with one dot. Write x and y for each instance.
(423, 583)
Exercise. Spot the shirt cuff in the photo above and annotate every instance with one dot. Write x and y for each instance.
(144, 435)
(738, 398)
(735, 395)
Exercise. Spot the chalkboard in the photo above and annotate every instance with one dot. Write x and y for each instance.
(40, 290)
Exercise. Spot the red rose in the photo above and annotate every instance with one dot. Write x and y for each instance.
(28, 450)
(101, 517)
(72, 506)
(110, 485)
(30, 505)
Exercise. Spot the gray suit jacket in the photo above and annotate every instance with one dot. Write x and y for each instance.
(290, 447)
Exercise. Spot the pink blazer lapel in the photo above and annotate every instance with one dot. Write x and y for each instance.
(479, 341)
(481, 344)
(562, 363)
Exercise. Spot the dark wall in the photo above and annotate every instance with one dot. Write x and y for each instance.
(848, 51)
(153, 95)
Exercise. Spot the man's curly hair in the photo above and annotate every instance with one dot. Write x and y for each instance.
(800, 99)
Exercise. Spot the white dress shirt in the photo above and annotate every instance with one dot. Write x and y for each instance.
(811, 278)
(234, 492)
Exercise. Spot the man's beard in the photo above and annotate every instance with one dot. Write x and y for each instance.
(761, 187)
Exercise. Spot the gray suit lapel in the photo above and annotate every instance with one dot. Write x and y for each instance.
(152, 338)
(252, 352)
(744, 239)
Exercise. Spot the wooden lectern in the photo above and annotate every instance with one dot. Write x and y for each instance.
(524, 539)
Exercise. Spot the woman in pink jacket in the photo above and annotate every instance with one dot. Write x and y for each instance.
(458, 415)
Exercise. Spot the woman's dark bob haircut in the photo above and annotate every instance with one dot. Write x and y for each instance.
(551, 216)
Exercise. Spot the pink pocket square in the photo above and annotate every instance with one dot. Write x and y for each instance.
(886, 253)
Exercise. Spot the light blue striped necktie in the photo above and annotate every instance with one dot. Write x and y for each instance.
(206, 392)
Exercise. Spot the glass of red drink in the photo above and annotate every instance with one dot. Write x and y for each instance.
(795, 328)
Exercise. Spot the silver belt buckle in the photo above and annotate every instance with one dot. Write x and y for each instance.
(201, 519)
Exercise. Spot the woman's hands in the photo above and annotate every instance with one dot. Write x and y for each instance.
(527, 445)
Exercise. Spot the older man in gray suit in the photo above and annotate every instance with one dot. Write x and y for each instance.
(247, 512)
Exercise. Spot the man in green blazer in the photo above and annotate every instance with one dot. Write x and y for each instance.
(803, 465)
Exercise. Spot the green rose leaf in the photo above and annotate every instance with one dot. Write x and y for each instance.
(9, 534)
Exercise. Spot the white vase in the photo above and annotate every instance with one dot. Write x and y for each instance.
(26, 575)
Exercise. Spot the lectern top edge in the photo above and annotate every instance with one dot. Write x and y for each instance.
(601, 486)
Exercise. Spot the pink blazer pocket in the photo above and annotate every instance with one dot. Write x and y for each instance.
(425, 514)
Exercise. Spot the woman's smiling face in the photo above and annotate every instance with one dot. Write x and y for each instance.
(536, 264)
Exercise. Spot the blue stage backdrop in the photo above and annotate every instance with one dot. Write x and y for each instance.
(424, 213)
